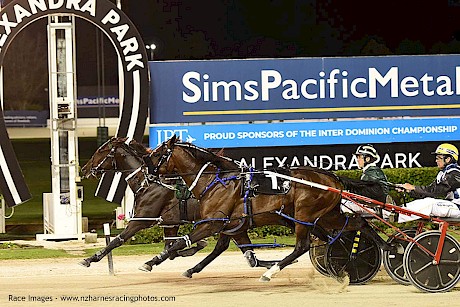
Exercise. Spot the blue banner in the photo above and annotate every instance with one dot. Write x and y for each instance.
(304, 88)
(311, 133)
(26, 118)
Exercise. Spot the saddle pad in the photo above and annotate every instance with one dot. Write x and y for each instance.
(269, 184)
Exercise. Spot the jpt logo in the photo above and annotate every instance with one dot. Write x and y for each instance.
(166, 134)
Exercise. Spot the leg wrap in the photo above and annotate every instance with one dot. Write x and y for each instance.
(267, 276)
(187, 240)
(251, 258)
(163, 255)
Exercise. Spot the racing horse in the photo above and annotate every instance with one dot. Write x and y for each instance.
(217, 183)
(155, 202)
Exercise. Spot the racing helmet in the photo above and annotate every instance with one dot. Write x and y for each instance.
(448, 150)
(368, 150)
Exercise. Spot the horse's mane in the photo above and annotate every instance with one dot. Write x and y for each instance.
(205, 155)
(138, 147)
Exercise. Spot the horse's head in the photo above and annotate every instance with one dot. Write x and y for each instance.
(161, 156)
(114, 155)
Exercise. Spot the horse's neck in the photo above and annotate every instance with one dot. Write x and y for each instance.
(128, 164)
(197, 175)
(137, 181)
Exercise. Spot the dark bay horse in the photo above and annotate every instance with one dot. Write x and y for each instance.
(155, 201)
(216, 182)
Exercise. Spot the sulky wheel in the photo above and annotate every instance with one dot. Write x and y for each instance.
(393, 262)
(317, 255)
(360, 264)
(421, 269)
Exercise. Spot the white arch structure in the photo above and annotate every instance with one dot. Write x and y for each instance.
(134, 81)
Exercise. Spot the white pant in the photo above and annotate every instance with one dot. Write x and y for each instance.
(349, 206)
(432, 207)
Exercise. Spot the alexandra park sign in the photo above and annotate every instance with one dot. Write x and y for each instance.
(133, 70)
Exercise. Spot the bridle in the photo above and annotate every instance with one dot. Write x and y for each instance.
(99, 169)
(164, 158)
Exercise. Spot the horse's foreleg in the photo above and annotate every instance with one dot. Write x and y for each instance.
(199, 233)
(192, 250)
(301, 247)
(221, 245)
(118, 241)
(171, 232)
(127, 233)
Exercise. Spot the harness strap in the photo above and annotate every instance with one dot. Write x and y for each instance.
(223, 219)
(183, 210)
(216, 180)
(133, 173)
(247, 201)
(158, 219)
(331, 239)
(194, 183)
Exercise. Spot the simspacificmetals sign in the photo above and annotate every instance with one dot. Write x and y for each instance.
(304, 88)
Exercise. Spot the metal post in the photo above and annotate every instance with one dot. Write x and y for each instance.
(63, 213)
(2, 215)
(107, 242)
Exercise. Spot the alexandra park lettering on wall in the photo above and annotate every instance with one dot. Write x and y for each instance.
(327, 85)
(336, 157)
(332, 161)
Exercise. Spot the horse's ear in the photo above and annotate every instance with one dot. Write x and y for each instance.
(220, 153)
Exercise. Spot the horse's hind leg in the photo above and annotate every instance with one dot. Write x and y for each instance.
(301, 247)
(222, 244)
(132, 228)
(199, 233)
(171, 232)
(248, 252)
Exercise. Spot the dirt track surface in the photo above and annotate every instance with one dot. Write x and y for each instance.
(228, 281)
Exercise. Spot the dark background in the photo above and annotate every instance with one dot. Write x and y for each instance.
(219, 29)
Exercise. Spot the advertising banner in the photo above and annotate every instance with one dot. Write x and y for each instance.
(311, 133)
(26, 118)
(304, 88)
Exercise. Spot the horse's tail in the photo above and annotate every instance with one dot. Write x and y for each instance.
(371, 189)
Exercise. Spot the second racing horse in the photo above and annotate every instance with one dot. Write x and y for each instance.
(155, 201)
(217, 183)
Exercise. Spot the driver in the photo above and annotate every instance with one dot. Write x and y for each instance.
(367, 157)
(446, 185)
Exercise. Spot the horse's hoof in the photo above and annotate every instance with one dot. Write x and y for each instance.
(145, 267)
(85, 263)
(187, 274)
(264, 279)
